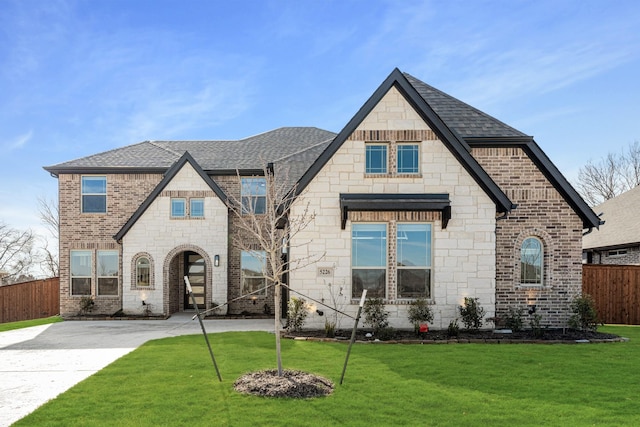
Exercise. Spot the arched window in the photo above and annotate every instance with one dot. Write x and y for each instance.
(143, 272)
(531, 265)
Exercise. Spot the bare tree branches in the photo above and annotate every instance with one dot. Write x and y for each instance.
(611, 176)
(16, 252)
(49, 215)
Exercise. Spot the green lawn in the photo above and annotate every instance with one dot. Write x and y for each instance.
(172, 382)
(28, 323)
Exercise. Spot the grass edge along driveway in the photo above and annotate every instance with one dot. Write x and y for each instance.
(172, 382)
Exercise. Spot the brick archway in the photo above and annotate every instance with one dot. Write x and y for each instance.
(173, 273)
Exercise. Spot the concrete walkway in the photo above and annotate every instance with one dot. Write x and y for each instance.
(39, 363)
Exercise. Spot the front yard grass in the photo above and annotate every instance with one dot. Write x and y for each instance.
(172, 382)
(28, 323)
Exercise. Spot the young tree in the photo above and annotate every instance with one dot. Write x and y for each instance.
(16, 252)
(611, 176)
(264, 228)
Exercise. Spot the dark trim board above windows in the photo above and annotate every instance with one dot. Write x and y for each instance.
(395, 202)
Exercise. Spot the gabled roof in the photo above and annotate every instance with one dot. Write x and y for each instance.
(446, 134)
(621, 227)
(171, 173)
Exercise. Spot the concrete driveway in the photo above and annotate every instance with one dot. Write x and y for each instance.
(38, 363)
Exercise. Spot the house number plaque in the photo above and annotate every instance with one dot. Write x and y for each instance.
(325, 272)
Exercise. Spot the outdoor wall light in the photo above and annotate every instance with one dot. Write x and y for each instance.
(216, 260)
(254, 300)
(532, 308)
(143, 302)
(320, 312)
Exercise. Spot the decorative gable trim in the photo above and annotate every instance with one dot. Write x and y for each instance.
(451, 140)
(171, 173)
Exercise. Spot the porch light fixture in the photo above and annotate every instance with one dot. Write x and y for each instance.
(143, 302)
(320, 312)
(532, 308)
(216, 260)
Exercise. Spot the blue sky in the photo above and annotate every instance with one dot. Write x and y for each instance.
(81, 77)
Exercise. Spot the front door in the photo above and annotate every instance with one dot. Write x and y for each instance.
(195, 270)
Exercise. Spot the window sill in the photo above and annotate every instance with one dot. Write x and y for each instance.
(399, 301)
(526, 286)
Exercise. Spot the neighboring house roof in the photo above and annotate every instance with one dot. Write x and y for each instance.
(171, 173)
(216, 157)
(621, 227)
(446, 134)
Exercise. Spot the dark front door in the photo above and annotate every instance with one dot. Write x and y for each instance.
(195, 270)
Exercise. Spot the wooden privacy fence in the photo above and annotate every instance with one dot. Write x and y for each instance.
(30, 300)
(616, 291)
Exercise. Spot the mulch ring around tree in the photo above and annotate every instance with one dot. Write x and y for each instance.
(399, 336)
(292, 384)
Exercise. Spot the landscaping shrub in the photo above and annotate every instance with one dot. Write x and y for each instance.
(375, 315)
(585, 316)
(453, 330)
(514, 319)
(419, 312)
(296, 314)
(535, 324)
(472, 313)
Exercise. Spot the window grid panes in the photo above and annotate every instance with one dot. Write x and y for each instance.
(81, 272)
(407, 158)
(531, 257)
(376, 158)
(254, 195)
(413, 260)
(196, 208)
(94, 194)
(178, 207)
(253, 265)
(107, 272)
(369, 260)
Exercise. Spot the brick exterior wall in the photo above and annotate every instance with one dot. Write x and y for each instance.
(615, 257)
(543, 213)
(90, 231)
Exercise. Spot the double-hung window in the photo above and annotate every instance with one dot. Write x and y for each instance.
(376, 158)
(108, 271)
(413, 260)
(369, 260)
(408, 158)
(94, 194)
(254, 195)
(531, 255)
(253, 265)
(81, 272)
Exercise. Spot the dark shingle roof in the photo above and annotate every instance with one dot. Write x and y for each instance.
(465, 120)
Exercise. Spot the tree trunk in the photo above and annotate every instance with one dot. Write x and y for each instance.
(277, 325)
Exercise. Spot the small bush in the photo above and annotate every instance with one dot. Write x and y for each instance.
(535, 324)
(419, 312)
(375, 315)
(86, 304)
(329, 329)
(453, 329)
(514, 319)
(471, 313)
(296, 313)
(385, 334)
(585, 316)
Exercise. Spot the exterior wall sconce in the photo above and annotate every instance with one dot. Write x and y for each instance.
(216, 260)
(532, 308)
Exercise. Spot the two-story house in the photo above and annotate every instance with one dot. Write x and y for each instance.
(419, 196)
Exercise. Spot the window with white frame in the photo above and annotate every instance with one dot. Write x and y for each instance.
(254, 195)
(107, 272)
(94, 194)
(143, 272)
(531, 262)
(178, 208)
(413, 260)
(196, 208)
(408, 158)
(376, 158)
(81, 272)
(369, 260)
(253, 265)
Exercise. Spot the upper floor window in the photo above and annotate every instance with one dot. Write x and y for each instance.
(254, 195)
(376, 158)
(178, 208)
(531, 256)
(369, 260)
(413, 259)
(408, 158)
(196, 208)
(94, 194)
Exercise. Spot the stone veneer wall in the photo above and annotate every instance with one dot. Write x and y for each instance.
(541, 212)
(125, 192)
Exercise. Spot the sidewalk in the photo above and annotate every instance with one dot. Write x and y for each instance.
(39, 363)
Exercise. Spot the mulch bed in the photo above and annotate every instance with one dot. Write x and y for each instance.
(292, 384)
(545, 336)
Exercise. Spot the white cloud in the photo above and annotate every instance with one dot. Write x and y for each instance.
(18, 142)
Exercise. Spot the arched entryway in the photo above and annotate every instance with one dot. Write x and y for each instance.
(191, 261)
